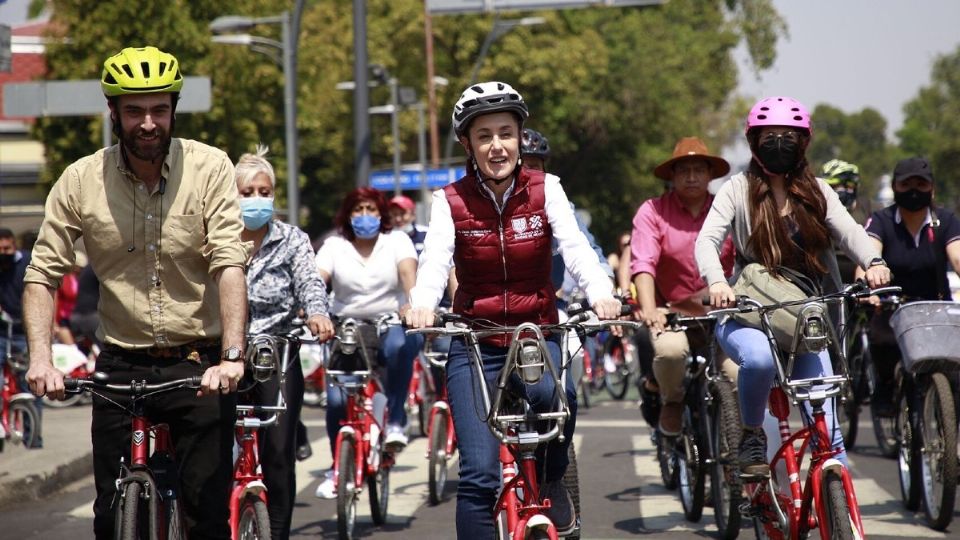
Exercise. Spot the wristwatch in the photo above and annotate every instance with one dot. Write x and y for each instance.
(233, 354)
(876, 261)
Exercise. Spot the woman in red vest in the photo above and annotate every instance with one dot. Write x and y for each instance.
(495, 225)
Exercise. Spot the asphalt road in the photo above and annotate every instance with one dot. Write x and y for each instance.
(620, 488)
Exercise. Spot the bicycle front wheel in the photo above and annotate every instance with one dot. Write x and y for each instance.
(571, 481)
(129, 515)
(725, 434)
(379, 486)
(690, 454)
(346, 489)
(908, 455)
(938, 462)
(254, 519)
(438, 456)
(838, 512)
(25, 422)
(616, 377)
(667, 456)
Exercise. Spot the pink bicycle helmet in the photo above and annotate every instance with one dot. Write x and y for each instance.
(779, 111)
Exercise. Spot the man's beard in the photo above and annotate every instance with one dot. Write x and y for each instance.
(140, 150)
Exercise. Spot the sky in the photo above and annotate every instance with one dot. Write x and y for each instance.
(854, 54)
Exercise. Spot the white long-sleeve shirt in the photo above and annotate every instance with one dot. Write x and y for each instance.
(437, 256)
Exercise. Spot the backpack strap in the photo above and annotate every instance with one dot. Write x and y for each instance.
(940, 252)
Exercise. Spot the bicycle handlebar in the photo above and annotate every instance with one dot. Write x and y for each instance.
(745, 304)
(134, 388)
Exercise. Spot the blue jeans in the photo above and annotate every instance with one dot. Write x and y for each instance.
(479, 449)
(749, 348)
(397, 352)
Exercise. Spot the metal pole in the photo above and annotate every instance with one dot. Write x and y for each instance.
(290, 123)
(431, 90)
(361, 94)
(107, 129)
(422, 152)
(395, 133)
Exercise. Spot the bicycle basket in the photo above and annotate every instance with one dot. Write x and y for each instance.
(928, 334)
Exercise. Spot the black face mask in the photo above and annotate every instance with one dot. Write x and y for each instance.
(779, 154)
(6, 260)
(913, 199)
(847, 198)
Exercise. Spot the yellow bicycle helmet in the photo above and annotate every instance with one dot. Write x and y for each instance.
(140, 70)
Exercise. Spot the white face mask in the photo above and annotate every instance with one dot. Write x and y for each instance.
(407, 227)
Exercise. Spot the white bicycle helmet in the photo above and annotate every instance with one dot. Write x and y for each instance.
(485, 98)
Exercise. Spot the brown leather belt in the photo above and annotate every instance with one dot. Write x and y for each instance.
(184, 352)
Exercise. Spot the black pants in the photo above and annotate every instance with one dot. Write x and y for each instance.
(278, 448)
(202, 433)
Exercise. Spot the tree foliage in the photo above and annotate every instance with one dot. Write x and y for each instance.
(931, 126)
(613, 89)
(859, 138)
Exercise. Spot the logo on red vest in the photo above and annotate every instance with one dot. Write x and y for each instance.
(524, 227)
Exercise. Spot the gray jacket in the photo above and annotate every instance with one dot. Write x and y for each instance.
(731, 209)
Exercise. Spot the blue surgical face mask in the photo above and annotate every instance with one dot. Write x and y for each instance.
(256, 211)
(365, 226)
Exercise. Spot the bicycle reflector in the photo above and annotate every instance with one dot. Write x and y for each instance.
(530, 361)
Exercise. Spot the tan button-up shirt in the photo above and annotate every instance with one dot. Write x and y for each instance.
(156, 254)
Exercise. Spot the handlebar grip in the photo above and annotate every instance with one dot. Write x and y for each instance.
(71, 384)
(195, 381)
(626, 309)
(705, 301)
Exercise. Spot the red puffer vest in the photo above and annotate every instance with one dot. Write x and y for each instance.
(502, 259)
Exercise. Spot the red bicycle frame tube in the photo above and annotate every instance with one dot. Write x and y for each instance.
(140, 440)
(520, 511)
(244, 472)
(360, 419)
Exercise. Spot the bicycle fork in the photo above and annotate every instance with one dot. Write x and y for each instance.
(525, 513)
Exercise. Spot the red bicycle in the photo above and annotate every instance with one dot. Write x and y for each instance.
(249, 518)
(782, 506)
(421, 393)
(519, 510)
(360, 455)
(19, 419)
(147, 504)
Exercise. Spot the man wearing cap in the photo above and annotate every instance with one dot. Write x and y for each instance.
(916, 240)
(403, 215)
(663, 267)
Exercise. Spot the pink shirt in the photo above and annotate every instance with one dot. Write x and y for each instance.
(661, 245)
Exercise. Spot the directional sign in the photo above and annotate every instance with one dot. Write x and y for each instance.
(84, 97)
(441, 7)
(436, 178)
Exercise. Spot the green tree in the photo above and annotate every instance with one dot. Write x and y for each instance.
(859, 138)
(613, 89)
(931, 126)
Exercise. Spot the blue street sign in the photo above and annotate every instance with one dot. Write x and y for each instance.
(436, 178)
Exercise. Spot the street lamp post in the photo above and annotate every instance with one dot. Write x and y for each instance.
(229, 24)
(500, 27)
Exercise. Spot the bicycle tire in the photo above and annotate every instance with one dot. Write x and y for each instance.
(128, 513)
(618, 381)
(834, 496)
(725, 484)
(884, 428)
(571, 481)
(346, 489)
(254, 523)
(69, 401)
(175, 526)
(667, 458)
(538, 534)
(848, 417)
(378, 485)
(25, 422)
(438, 457)
(938, 432)
(690, 454)
(908, 455)
(423, 409)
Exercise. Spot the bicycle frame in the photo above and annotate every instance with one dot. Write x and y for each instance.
(442, 402)
(11, 392)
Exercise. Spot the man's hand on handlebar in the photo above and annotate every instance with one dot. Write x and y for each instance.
(43, 378)
(321, 326)
(607, 308)
(877, 276)
(655, 320)
(221, 378)
(419, 317)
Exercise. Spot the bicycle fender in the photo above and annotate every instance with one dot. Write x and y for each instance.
(536, 521)
(22, 396)
(254, 487)
(441, 405)
(832, 464)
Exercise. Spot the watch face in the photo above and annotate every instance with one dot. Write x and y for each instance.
(233, 353)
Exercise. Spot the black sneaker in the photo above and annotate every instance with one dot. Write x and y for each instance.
(752, 457)
(650, 404)
(304, 452)
(561, 511)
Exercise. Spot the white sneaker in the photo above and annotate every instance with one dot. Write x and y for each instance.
(396, 438)
(327, 489)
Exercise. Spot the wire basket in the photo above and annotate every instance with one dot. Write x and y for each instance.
(928, 334)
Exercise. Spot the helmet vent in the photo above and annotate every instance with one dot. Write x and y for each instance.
(764, 108)
(163, 67)
(477, 88)
(762, 116)
(145, 69)
(127, 70)
(798, 118)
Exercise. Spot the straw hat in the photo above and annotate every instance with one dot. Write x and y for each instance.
(692, 147)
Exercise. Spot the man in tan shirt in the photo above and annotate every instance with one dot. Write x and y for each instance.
(161, 224)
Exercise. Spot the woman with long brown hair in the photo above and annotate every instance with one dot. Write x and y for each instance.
(782, 216)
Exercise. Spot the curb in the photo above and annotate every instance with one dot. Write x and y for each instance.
(38, 486)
